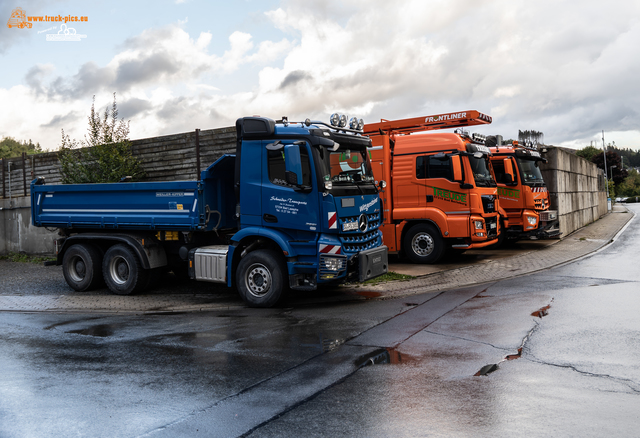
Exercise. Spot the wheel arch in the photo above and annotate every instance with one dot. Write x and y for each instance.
(247, 242)
(410, 224)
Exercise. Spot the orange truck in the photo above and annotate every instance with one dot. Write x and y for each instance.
(523, 195)
(440, 191)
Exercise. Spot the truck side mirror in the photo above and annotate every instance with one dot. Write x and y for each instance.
(456, 165)
(508, 171)
(293, 164)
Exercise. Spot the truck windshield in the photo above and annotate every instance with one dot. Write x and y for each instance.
(530, 171)
(347, 168)
(481, 172)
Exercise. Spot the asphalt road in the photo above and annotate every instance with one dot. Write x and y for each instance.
(344, 367)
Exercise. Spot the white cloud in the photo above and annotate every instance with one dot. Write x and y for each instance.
(569, 74)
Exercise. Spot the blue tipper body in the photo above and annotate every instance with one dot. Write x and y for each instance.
(175, 205)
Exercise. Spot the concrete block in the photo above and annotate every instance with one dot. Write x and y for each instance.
(551, 180)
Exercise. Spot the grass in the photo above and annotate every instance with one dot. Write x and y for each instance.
(389, 276)
(17, 257)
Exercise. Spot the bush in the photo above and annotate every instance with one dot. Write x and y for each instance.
(104, 155)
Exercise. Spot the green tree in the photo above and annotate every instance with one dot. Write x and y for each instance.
(588, 152)
(105, 153)
(631, 185)
(10, 147)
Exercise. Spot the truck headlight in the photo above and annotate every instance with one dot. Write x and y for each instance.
(479, 225)
(532, 220)
(333, 263)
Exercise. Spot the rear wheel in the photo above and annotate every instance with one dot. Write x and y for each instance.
(123, 271)
(82, 267)
(262, 278)
(423, 244)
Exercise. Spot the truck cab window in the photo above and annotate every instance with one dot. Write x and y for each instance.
(430, 167)
(277, 167)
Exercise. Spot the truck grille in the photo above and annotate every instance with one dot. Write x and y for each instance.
(356, 241)
(488, 203)
(541, 204)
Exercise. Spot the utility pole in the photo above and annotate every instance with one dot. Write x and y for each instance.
(606, 180)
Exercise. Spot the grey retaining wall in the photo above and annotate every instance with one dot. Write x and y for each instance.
(576, 187)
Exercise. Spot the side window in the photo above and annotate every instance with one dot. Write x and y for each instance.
(277, 167)
(430, 167)
(498, 169)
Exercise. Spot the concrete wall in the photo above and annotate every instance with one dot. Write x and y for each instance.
(16, 232)
(576, 189)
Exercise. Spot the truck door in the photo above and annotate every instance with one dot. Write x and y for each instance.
(285, 206)
(439, 190)
(511, 196)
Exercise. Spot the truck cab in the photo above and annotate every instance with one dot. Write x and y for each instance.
(310, 189)
(524, 198)
(441, 192)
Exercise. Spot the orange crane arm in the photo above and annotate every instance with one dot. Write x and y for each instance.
(428, 123)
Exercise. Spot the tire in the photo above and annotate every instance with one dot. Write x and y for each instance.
(262, 278)
(82, 267)
(423, 244)
(123, 271)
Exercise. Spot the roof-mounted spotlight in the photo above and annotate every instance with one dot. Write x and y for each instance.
(334, 119)
(343, 121)
(353, 123)
(360, 125)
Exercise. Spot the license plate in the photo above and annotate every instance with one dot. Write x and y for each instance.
(350, 226)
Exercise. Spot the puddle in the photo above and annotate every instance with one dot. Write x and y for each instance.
(487, 369)
(383, 356)
(99, 331)
(518, 355)
(367, 294)
(542, 312)
(330, 344)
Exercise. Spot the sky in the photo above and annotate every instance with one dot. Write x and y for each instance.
(566, 68)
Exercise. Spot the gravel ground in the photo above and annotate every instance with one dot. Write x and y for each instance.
(22, 278)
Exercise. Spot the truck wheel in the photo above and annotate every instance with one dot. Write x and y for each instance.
(82, 267)
(123, 271)
(423, 244)
(262, 278)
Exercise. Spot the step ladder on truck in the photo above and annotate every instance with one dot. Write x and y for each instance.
(441, 194)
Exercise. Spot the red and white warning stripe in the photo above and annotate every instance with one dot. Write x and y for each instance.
(330, 249)
(333, 220)
(538, 189)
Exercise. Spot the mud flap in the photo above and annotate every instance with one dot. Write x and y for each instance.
(373, 263)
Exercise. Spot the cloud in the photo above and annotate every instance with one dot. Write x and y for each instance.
(569, 74)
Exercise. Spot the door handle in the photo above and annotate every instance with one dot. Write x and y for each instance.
(270, 218)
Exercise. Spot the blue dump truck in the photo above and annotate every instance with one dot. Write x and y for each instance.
(296, 207)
